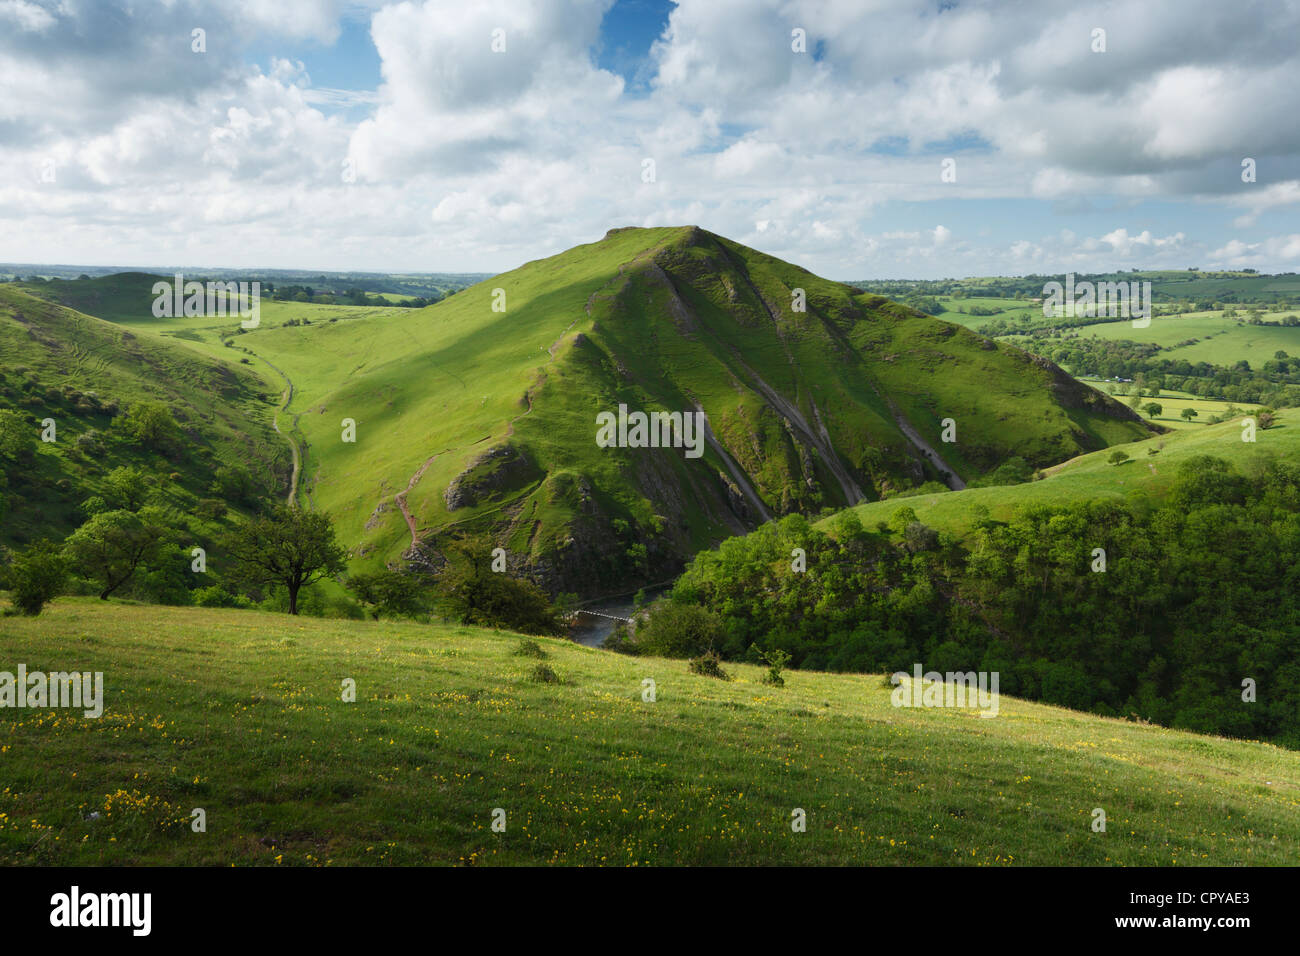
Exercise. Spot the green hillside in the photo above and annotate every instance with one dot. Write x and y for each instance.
(240, 713)
(1146, 477)
(500, 407)
(87, 375)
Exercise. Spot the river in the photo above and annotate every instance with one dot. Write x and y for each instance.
(591, 631)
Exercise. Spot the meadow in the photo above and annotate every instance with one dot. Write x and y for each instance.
(1150, 470)
(1172, 404)
(1221, 341)
(240, 713)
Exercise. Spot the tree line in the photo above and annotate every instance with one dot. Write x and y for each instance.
(1191, 599)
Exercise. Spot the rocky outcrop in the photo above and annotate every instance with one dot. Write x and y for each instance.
(495, 473)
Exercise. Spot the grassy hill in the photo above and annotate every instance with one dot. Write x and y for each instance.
(1090, 477)
(478, 413)
(500, 405)
(84, 373)
(239, 713)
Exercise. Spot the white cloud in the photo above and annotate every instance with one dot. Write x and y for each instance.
(469, 158)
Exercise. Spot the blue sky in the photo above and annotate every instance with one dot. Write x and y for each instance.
(355, 134)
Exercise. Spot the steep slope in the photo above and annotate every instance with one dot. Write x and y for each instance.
(84, 373)
(470, 417)
(224, 710)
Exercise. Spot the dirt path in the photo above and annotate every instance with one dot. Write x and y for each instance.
(400, 497)
(275, 423)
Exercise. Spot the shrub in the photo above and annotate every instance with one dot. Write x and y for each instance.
(389, 593)
(775, 660)
(216, 596)
(680, 630)
(529, 648)
(36, 577)
(709, 665)
(542, 674)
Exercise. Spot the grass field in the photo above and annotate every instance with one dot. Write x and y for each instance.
(1222, 341)
(958, 310)
(1173, 402)
(1092, 477)
(240, 713)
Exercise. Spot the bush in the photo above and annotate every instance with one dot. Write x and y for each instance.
(775, 660)
(680, 630)
(389, 593)
(528, 648)
(542, 674)
(36, 577)
(217, 596)
(709, 665)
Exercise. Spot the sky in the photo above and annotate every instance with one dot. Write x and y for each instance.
(866, 139)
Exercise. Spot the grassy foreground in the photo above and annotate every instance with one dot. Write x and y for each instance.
(240, 713)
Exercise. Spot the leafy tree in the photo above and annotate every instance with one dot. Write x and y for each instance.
(35, 576)
(472, 593)
(1153, 409)
(1188, 413)
(113, 545)
(128, 488)
(676, 629)
(152, 425)
(233, 483)
(389, 593)
(287, 546)
(1118, 457)
(16, 438)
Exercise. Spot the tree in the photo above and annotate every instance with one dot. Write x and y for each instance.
(1188, 413)
(676, 629)
(389, 593)
(475, 594)
(36, 576)
(151, 424)
(287, 547)
(112, 545)
(1153, 409)
(128, 488)
(1118, 457)
(17, 438)
(1265, 419)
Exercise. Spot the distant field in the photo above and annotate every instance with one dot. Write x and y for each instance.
(1174, 402)
(1091, 477)
(1223, 341)
(240, 713)
(1010, 309)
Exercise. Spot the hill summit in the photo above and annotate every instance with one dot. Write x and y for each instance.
(809, 395)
